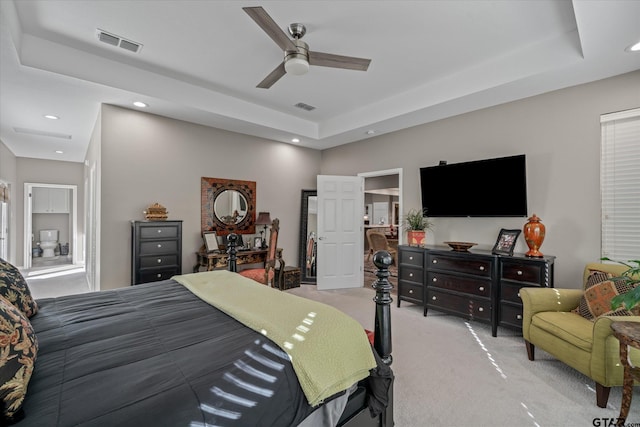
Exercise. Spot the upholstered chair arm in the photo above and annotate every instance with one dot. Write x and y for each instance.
(605, 352)
(536, 300)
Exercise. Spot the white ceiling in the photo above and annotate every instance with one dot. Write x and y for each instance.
(201, 61)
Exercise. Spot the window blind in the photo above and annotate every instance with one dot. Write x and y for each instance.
(620, 185)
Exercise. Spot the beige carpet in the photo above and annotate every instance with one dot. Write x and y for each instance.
(452, 372)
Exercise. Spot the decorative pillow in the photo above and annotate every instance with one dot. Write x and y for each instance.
(596, 300)
(14, 288)
(18, 349)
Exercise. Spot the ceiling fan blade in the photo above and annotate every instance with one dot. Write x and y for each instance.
(273, 77)
(269, 26)
(338, 61)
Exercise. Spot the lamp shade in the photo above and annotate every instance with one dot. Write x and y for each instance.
(263, 218)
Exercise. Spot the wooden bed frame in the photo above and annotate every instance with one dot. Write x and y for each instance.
(358, 415)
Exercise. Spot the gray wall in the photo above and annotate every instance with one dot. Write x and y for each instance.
(560, 134)
(147, 159)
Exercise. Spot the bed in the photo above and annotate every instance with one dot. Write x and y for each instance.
(204, 349)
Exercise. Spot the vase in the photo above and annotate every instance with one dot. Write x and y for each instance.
(415, 237)
(534, 232)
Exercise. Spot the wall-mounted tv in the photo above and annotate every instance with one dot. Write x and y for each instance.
(482, 188)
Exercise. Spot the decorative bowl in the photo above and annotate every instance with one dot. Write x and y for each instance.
(460, 246)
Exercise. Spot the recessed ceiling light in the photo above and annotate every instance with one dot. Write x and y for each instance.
(51, 117)
(140, 104)
(59, 152)
(634, 48)
(295, 140)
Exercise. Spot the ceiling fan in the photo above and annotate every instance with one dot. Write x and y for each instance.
(297, 56)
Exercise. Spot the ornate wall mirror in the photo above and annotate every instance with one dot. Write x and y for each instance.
(308, 236)
(228, 206)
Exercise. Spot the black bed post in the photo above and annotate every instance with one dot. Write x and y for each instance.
(231, 250)
(382, 337)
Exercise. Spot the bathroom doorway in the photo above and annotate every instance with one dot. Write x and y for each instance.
(51, 214)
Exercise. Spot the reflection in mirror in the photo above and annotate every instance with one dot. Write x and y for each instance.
(230, 207)
(308, 230)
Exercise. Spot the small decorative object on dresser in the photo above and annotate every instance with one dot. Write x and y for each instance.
(506, 242)
(416, 222)
(534, 232)
(156, 212)
(460, 246)
(210, 241)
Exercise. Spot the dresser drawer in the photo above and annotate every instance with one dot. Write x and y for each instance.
(510, 292)
(475, 266)
(522, 272)
(511, 315)
(158, 247)
(411, 292)
(154, 275)
(158, 261)
(467, 285)
(411, 274)
(461, 304)
(159, 232)
(408, 257)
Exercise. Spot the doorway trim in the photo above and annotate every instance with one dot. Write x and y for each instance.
(386, 172)
(28, 218)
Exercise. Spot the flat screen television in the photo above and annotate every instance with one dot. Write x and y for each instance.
(482, 188)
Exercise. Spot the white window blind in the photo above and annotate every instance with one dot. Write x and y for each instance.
(620, 185)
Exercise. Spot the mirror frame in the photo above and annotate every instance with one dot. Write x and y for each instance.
(302, 250)
(210, 189)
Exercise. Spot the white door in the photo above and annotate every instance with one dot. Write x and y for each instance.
(340, 225)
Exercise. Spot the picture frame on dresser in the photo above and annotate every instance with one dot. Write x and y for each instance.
(210, 241)
(257, 242)
(506, 242)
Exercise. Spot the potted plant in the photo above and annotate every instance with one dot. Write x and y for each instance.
(416, 222)
(629, 299)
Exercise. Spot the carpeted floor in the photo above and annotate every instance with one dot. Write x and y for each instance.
(451, 372)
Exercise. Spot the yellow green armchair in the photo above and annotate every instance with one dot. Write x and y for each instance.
(550, 324)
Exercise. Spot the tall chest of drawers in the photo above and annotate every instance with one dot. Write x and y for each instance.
(156, 250)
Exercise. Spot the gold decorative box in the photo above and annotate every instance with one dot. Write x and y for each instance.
(156, 212)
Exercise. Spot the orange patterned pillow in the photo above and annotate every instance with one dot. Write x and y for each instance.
(596, 300)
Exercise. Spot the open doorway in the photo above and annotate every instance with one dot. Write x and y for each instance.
(50, 239)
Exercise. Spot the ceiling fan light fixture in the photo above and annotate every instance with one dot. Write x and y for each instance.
(296, 66)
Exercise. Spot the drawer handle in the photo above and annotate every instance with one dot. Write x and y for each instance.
(481, 288)
(518, 294)
(410, 291)
(519, 273)
(159, 245)
(159, 275)
(519, 317)
(159, 231)
(480, 309)
(159, 260)
(434, 298)
(435, 261)
(410, 274)
(411, 258)
(435, 279)
(482, 268)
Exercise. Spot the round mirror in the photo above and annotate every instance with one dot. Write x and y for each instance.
(230, 207)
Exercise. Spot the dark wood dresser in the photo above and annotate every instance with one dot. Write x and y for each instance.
(476, 285)
(156, 250)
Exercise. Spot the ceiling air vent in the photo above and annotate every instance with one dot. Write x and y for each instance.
(305, 106)
(114, 40)
(41, 133)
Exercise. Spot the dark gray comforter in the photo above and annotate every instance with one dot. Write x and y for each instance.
(155, 355)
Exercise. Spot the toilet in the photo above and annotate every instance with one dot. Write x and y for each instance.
(48, 242)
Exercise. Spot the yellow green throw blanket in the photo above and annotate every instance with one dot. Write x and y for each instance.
(328, 349)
